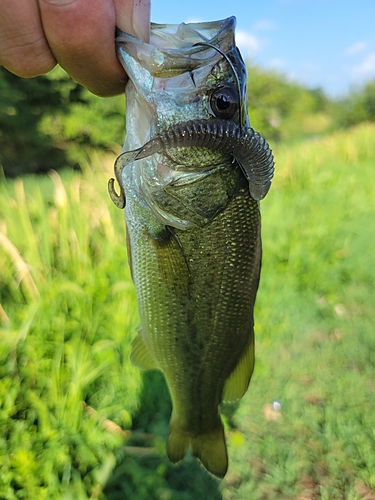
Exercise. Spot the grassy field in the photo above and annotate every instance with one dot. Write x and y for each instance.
(75, 422)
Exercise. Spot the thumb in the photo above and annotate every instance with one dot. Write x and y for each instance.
(134, 17)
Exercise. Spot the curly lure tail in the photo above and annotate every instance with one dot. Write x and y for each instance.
(245, 145)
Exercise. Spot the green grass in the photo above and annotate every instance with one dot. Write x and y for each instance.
(68, 314)
(67, 318)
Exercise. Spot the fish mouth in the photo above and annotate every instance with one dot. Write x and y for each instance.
(243, 144)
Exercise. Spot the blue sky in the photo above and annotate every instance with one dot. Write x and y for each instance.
(318, 43)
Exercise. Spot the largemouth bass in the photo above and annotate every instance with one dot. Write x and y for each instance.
(191, 177)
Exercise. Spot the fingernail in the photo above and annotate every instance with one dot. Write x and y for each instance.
(141, 19)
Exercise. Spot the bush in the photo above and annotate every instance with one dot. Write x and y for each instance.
(358, 107)
(281, 109)
(52, 121)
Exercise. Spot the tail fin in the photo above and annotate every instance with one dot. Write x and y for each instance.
(209, 448)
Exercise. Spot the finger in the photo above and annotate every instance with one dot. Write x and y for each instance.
(134, 17)
(81, 36)
(24, 49)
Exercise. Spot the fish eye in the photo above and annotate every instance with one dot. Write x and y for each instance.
(224, 102)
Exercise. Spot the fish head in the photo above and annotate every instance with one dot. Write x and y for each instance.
(186, 72)
(187, 76)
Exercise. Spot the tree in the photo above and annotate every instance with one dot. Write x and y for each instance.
(51, 121)
(358, 107)
(282, 109)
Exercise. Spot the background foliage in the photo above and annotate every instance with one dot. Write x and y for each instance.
(52, 122)
(284, 110)
(77, 421)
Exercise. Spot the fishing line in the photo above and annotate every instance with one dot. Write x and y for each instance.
(238, 85)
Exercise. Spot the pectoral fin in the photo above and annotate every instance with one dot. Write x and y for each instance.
(141, 355)
(129, 252)
(238, 381)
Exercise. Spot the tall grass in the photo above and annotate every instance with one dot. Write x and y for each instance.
(68, 314)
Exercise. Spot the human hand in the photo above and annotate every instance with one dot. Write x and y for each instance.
(35, 35)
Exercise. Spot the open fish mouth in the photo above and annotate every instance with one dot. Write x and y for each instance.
(244, 145)
(161, 72)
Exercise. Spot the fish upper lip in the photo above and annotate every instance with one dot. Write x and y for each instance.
(177, 47)
(174, 40)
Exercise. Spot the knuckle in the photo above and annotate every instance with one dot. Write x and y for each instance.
(26, 57)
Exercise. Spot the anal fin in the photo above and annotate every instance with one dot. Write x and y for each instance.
(238, 381)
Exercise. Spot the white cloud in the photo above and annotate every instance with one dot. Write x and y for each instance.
(365, 70)
(277, 64)
(356, 48)
(248, 44)
(264, 25)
